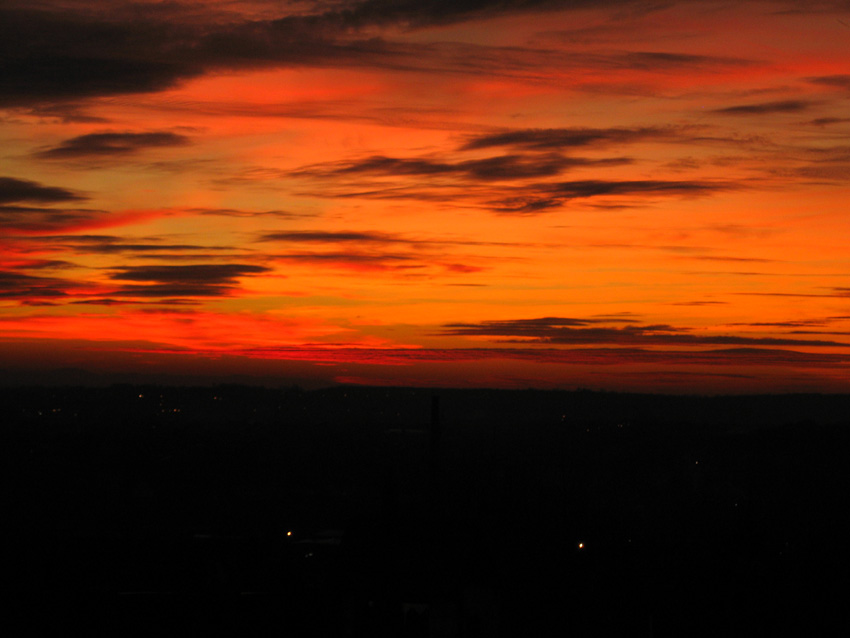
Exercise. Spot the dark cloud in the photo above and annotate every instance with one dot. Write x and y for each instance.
(168, 282)
(61, 54)
(727, 258)
(542, 197)
(766, 108)
(571, 356)
(521, 199)
(472, 180)
(31, 288)
(419, 248)
(565, 138)
(36, 220)
(199, 280)
(153, 247)
(660, 60)
(213, 274)
(503, 167)
(596, 188)
(412, 13)
(234, 212)
(16, 216)
(22, 190)
(827, 121)
(111, 144)
(111, 246)
(554, 330)
(783, 324)
(321, 237)
(836, 81)
(107, 301)
(698, 303)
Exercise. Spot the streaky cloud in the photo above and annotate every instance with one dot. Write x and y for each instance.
(554, 330)
(196, 274)
(14, 190)
(766, 108)
(111, 144)
(565, 138)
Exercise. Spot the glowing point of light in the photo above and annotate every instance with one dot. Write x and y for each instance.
(581, 545)
(289, 533)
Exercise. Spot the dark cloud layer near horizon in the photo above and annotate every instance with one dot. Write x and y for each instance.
(571, 331)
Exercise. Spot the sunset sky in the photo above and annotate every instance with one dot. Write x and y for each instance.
(648, 196)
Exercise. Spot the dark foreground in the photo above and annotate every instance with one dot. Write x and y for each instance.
(387, 512)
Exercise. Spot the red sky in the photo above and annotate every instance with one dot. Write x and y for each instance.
(603, 194)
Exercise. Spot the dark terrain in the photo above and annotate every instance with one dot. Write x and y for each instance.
(402, 512)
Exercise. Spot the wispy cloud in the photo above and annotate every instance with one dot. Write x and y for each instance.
(13, 190)
(567, 138)
(111, 144)
(503, 167)
(566, 331)
(767, 108)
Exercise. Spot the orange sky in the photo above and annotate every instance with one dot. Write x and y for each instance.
(511, 194)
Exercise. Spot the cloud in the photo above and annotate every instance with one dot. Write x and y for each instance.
(833, 81)
(566, 138)
(111, 144)
(17, 285)
(334, 237)
(503, 167)
(539, 198)
(111, 244)
(213, 274)
(165, 282)
(61, 53)
(766, 108)
(235, 212)
(661, 60)
(369, 237)
(828, 121)
(22, 190)
(567, 331)
(476, 180)
(196, 280)
(568, 356)
(699, 303)
(31, 220)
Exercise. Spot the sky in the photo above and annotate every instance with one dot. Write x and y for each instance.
(640, 196)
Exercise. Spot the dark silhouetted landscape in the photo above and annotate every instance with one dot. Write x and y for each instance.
(357, 511)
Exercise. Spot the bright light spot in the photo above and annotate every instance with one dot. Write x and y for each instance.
(581, 545)
(289, 533)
